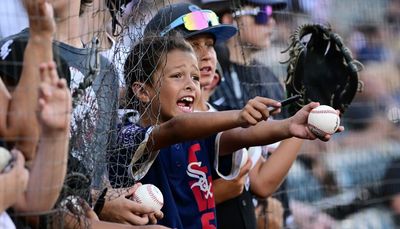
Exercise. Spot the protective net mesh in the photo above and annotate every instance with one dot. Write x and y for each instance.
(352, 181)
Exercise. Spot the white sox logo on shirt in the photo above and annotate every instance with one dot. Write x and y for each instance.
(201, 176)
(5, 49)
(200, 183)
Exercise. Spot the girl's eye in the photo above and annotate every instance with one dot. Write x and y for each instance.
(178, 75)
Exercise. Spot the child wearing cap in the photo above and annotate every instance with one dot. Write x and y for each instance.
(244, 78)
(203, 38)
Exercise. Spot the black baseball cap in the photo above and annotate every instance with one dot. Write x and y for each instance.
(165, 16)
(13, 59)
(223, 5)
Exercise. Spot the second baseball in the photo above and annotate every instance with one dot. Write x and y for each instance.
(323, 120)
(5, 158)
(149, 195)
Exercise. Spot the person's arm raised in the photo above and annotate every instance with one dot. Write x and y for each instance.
(50, 164)
(199, 125)
(25, 95)
(267, 175)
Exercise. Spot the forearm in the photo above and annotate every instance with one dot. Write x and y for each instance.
(225, 190)
(8, 194)
(267, 177)
(25, 96)
(47, 172)
(193, 126)
(264, 133)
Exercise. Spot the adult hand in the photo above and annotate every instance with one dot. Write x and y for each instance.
(16, 181)
(298, 126)
(19, 172)
(54, 100)
(228, 189)
(41, 17)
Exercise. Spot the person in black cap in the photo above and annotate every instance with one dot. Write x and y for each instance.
(201, 28)
(245, 77)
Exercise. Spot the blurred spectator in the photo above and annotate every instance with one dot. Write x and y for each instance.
(392, 20)
(319, 10)
(246, 77)
(374, 47)
(386, 213)
(269, 214)
(392, 15)
(391, 189)
(354, 161)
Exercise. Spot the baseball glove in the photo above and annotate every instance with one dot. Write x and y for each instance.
(321, 69)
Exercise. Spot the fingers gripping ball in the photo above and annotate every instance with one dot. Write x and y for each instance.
(5, 159)
(150, 196)
(323, 120)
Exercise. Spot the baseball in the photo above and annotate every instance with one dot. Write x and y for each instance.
(323, 120)
(149, 195)
(5, 158)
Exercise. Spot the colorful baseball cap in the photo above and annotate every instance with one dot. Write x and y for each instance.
(189, 20)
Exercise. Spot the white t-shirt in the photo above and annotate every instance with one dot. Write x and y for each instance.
(13, 18)
(5, 221)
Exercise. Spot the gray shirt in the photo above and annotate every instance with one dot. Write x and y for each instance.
(94, 111)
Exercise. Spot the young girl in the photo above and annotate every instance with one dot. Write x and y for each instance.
(179, 145)
(234, 198)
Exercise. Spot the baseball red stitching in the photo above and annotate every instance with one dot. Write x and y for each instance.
(318, 131)
(149, 188)
(323, 111)
(136, 198)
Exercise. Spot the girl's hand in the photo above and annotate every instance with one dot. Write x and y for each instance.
(298, 126)
(256, 110)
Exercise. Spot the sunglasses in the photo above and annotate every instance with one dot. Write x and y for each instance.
(193, 21)
(261, 14)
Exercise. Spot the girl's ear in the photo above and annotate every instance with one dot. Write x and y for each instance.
(140, 91)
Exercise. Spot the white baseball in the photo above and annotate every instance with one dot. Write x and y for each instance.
(149, 195)
(323, 120)
(5, 157)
